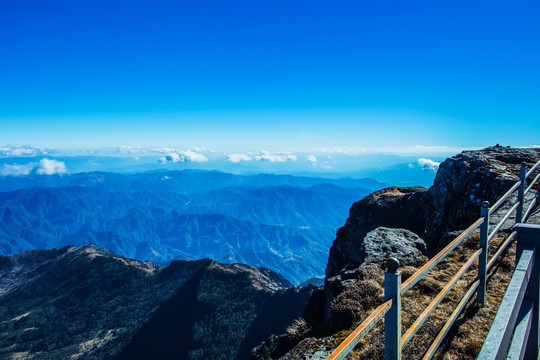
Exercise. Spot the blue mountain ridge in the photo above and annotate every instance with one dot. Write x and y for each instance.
(184, 215)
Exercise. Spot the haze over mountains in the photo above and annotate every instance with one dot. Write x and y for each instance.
(161, 204)
(414, 166)
(275, 221)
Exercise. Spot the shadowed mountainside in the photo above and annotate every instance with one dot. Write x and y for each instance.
(86, 302)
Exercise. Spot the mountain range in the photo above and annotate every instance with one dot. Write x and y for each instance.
(275, 221)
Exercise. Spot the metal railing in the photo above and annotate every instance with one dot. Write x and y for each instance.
(517, 316)
(394, 289)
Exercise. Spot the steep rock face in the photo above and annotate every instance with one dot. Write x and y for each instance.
(465, 180)
(86, 302)
(451, 204)
(395, 207)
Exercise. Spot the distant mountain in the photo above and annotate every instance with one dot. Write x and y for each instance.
(183, 215)
(26, 163)
(183, 181)
(86, 302)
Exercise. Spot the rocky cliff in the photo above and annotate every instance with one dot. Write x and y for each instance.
(465, 180)
(408, 223)
(395, 207)
(86, 302)
(451, 204)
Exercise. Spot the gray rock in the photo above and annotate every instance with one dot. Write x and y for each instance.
(464, 181)
(394, 207)
(383, 242)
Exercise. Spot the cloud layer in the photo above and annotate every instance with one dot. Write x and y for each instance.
(177, 156)
(236, 158)
(43, 167)
(26, 150)
(262, 155)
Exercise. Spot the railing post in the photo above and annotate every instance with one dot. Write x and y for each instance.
(392, 319)
(538, 193)
(528, 234)
(521, 192)
(482, 259)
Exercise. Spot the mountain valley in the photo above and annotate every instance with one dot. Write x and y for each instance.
(262, 220)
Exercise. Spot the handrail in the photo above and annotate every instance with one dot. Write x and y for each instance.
(498, 338)
(419, 274)
(527, 213)
(504, 197)
(446, 328)
(501, 249)
(503, 220)
(532, 169)
(433, 305)
(522, 330)
(532, 183)
(363, 329)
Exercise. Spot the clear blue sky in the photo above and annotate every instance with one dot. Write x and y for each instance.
(269, 74)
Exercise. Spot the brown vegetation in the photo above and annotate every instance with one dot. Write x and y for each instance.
(468, 333)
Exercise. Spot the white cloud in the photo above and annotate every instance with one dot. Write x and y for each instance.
(25, 150)
(183, 156)
(171, 158)
(204, 149)
(427, 164)
(417, 150)
(341, 150)
(131, 149)
(312, 158)
(278, 157)
(164, 150)
(50, 167)
(43, 167)
(17, 170)
(236, 158)
(192, 156)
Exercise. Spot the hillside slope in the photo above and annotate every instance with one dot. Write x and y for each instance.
(86, 302)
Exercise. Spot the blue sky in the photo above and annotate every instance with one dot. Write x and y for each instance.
(273, 75)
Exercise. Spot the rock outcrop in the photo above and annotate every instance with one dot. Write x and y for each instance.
(449, 206)
(395, 207)
(465, 180)
(381, 222)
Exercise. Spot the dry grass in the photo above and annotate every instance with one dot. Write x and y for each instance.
(468, 333)
(298, 329)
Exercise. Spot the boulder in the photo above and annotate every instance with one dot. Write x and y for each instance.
(402, 244)
(394, 207)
